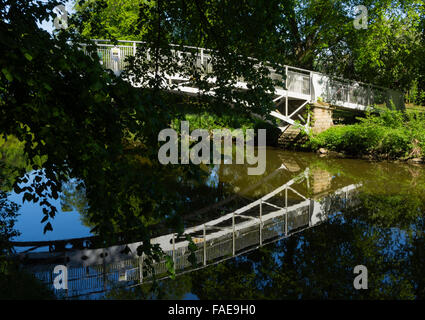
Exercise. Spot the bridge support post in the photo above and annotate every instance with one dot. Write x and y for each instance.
(286, 211)
(287, 89)
(202, 57)
(261, 222)
(346, 199)
(174, 251)
(322, 116)
(368, 102)
(310, 85)
(105, 277)
(233, 233)
(310, 212)
(205, 246)
(141, 260)
(67, 268)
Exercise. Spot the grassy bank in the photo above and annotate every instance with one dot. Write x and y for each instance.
(387, 135)
(225, 119)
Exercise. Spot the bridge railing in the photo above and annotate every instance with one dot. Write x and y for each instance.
(298, 80)
(305, 84)
(104, 51)
(353, 94)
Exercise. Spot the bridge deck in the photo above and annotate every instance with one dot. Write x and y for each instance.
(304, 86)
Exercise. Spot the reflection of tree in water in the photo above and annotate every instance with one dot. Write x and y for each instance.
(14, 283)
(190, 189)
(12, 161)
(386, 234)
(73, 198)
(166, 290)
(8, 214)
(319, 262)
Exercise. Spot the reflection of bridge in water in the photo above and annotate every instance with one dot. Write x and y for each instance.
(270, 218)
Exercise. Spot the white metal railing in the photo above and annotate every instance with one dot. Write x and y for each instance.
(355, 93)
(299, 82)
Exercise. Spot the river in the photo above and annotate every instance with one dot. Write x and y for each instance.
(382, 230)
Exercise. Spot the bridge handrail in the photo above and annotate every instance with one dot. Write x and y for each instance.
(96, 41)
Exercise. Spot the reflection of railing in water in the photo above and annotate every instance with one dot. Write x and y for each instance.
(259, 223)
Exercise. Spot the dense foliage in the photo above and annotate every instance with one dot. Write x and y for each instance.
(388, 135)
(75, 120)
(312, 34)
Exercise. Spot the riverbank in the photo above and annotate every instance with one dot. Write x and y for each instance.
(383, 135)
(389, 135)
(199, 118)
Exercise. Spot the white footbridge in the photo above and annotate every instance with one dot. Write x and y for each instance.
(300, 86)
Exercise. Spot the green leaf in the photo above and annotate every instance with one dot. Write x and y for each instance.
(47, 86)
(28, 56)
(7, 74)
(170, 267)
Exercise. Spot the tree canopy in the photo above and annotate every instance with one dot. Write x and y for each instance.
(312, 34)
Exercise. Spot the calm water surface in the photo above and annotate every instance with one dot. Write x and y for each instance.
(325, 176)
(384, 231)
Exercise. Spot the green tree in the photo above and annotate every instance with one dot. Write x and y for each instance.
(312, 34)
(77, 120)
(111, 19)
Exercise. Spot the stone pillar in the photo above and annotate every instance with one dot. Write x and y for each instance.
(322, 117)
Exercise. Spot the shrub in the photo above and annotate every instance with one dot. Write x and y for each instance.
(390, 134)
(210, 121)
